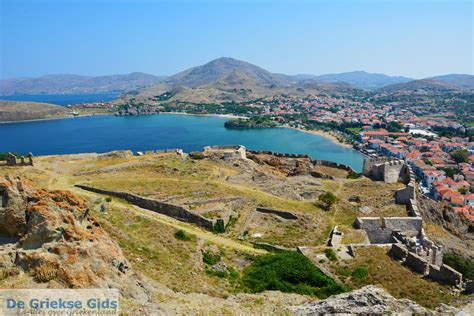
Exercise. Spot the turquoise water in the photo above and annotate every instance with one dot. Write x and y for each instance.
(64, 99)
(152, 132)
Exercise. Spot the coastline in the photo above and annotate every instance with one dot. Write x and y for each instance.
(54, 118)
(211, 115)
(321, 133)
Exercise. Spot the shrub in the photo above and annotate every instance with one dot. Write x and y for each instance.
(108, 199)
(328, 199)
(360, 273)
(460, 155)
(45, 273)
(218, 227)
(353, 175)
(8, 272)
(461, 264)
(330, 254)
(182, 235)
(210, 257)
(288, 272)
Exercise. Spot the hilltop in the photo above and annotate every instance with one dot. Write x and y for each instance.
(423, 85)
(11, 111)
(227, 79)
(265, 201)
(362, 79)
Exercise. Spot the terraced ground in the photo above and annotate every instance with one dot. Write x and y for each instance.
(149, 242)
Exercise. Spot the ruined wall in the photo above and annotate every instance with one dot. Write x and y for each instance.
(404, 224)
(375, 230)
(282, 214)
(398, 251)
(369, 164)
(380, 230)
(416, 263)
(445, 274)
(392, 171)
(325, 163)
(171, 210)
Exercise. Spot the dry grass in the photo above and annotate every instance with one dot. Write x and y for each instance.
(8, 272)
(45, 273)
(398, 280)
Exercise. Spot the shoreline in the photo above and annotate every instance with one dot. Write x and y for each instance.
(53, 118)
(210, 115)
(322, 134)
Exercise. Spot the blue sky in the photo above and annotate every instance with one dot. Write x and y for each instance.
(416, 38)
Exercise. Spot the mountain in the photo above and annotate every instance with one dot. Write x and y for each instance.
(228, 79)
(11, 111)
(423, 85)
(361, 79)
(461, 81)
(68, 84)
(224, 66)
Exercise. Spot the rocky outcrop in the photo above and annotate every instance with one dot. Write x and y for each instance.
(369, 300)
(57, 239)
(444, 215)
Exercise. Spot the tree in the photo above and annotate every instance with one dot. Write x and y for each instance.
(460, 155)
(328, 199)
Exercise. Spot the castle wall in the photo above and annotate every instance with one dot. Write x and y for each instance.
(416, 263)
(282, 214)
(445, 274)
(171, 210)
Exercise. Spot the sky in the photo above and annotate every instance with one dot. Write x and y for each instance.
(415, 38)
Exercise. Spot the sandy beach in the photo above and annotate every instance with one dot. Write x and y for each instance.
(327, 135)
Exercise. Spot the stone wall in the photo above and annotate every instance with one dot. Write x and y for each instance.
(398, 251)
(416, 263)
(171, 210)
(282, 214)
(445, 274)
(369, 164)
(24, 161)
(314, 162)
(404, 224)
(380, 230)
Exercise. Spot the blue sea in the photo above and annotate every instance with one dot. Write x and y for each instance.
(153, 132)
(64, 99)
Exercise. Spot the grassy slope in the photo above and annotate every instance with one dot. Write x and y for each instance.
(11, 111)
(148, 238)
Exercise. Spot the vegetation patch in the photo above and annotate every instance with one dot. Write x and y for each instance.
(461, 264)
(288, 272)
(182, 235)
(210, 257)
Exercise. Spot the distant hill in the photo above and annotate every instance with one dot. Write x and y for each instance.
(11, 111)
(218, 68)
(423, 85)
(361, 79)
(68, 84)
(229, 79)
(461, 81)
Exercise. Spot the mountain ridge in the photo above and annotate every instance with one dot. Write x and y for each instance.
(211, 74)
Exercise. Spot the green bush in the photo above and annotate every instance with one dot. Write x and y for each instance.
(288, 272)
(182, 235)
(461, 264)
(360, 273)
(328, 198)
(108, 199)
(210, 258)
(218, 227)
(330, 254)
